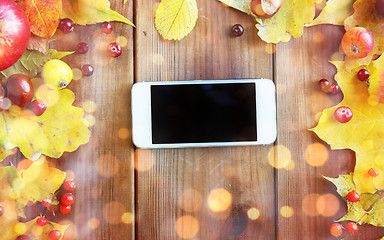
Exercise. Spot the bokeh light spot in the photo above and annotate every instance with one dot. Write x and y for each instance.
(77, 74)
(270, 48)
(279, 156)
(143, 160)
(71, 232)
(316, 154)
(69, 175)
(328, 205)
(190, 200)
(123, 133)
(122, 41)
(20, 228)
(187, 227)
(107, 165)
(158, 59)
(91, 120)
(127, 218)
(37, 231)
(373, 100)
(286, 211)
(253, 213)
(5, 103)
(113, 211)
(318, 37)
(89, 106)
(49, 96)
(93, 223)
(309, 204)
(219, 200)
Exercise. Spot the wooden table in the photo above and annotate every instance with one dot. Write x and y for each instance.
(174, 193)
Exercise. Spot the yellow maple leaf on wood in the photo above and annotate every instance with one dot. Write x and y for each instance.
(175, 19)
(364, 133)
(335, 12)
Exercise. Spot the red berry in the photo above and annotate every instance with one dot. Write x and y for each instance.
(353, 196)
(1, 210)
(325, 85)
(23, 237)
(64, 209)
(82, 47)
(54, 235)
(114, 49)
(68, 199)
(41, 221)
(343, 114)
(38, 107)
(336, 229)
(373, 172)
(351, 227)
(237, 30)
(47, 202)
(106, 27)
(87, 70)
(66, 25)
(363, 75)
(69, 185)
(335, 89)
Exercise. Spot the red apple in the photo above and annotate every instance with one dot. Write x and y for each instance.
(265, 8)
(357, 42)
(14, 33)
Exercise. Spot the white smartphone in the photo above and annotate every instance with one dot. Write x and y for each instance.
(203, 113)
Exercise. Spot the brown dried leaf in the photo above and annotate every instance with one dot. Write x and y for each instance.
(37, 43)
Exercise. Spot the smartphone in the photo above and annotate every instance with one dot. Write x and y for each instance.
(203, 113)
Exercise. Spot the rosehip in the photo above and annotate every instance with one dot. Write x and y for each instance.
(41, 221)
(353, 196)
(336, 229)
(68, 199)
(54, 235)
(373, 172)
(47, 202)
(69, 185)
(351, 227)
(343, 114)
(64, 209)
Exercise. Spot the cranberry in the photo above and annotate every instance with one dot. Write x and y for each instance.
(363, 75)
(106, 27)
(87, 70)
(38, 107)
(325, 85)
(335, 89)
(237, 30)
(343, 114)
(82, 47)
(114, 49)
(66, 25)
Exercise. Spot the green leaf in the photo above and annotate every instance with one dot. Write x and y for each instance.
(335, 12)
(175, 19)
(85, 12)
(31, 62)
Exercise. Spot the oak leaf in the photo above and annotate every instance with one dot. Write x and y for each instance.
(175, 19)
(364, 132)
(31, 62)
(85, 12)
(365, 15)
(43, 15)
(60, 129)
(335, 12)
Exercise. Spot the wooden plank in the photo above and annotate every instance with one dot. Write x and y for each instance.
(300, 64)
(103, 168)
(173, 185)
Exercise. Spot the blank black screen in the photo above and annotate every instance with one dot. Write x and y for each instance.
(203, 113)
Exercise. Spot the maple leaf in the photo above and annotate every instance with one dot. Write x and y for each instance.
(43, 15)
(90, 12)
(175, 19)
(369, 209)
(61, 128)
(288, 21)
(31, 62)
(364, 133)
(335, 12)
(365, 15)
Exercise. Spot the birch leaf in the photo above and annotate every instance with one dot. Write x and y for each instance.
(85, 12)
(335, 12)
(175, 19)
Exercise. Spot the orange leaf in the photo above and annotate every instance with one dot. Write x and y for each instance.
(43, 15)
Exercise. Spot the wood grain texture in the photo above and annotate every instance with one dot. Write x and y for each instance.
(209, 52)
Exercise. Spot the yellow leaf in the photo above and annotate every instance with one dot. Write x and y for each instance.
(9, 218)
(365, 16)
(61, 128)
(364, 133)
(175, 19)
(241, 5)
(5, 152)
(36, 183)
(335, 12)
(91, 11)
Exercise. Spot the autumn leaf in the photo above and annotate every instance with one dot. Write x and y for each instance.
(335, 12)
(365, 16)
(9, 218)
(5, 153)
(38, 44)
(31, 225)
(60, 129)
(175, 19)
(85, 12)
(369, 209)
(31, 62)
(43, 15)
(364, 133)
